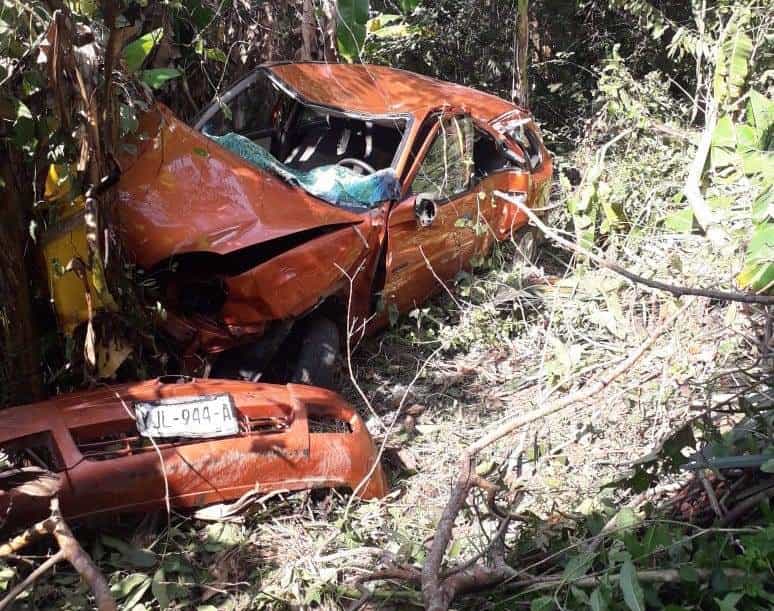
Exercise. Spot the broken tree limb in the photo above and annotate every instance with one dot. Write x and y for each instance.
(69, 550)
(646, 576)
(437, 592)
(678, 291)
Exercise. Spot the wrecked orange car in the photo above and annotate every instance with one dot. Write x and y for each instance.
(194, 442)
(309, 190)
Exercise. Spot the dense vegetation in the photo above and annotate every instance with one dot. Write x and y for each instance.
(660, 115)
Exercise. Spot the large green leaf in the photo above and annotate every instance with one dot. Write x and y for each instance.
(408, 6)
(631, 589)
(733, 59)
(760, 116)
(135, 52)
(156, 77)
(351, 28)
(758, 271)
(763, 206)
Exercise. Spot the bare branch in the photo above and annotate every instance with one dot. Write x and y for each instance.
(678, 291)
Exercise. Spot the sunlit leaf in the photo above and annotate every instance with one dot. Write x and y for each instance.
(351, 29)
(680, 221)
(156, 77)
(135, 52)
(216, 55)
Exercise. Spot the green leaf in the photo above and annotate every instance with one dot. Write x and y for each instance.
(577, 566)
(760, 113)
(20, 109)
(729, 601)
(156, 77)
(680, 221)
(732, 66)
(137, 594)
(351, 29)
(768, 466)
(688, 574)
(724, 133)
(216, 55)
(632, 592)
(598, 601)
(128, 584)
(756, 276)
(159, 589)
(135, 52)
(544, 603)
(221, 536)
(408, 6)
(135, 556)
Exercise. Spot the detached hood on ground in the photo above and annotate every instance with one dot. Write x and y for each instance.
(184, 193)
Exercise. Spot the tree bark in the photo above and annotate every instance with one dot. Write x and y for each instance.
(19, 336)
(521, 82)
(308, 31)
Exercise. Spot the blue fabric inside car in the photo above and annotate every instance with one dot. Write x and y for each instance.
(333, 183)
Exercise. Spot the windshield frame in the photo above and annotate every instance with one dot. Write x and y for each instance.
(236, 89)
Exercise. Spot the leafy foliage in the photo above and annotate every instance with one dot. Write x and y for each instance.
(351, 31)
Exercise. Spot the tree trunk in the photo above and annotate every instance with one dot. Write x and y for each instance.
(308, 31)
(330, 52)
(521, 82)
(20, 371)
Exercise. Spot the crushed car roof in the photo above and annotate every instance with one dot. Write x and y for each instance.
(379, 90)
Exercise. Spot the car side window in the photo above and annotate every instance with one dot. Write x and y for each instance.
(447, 167)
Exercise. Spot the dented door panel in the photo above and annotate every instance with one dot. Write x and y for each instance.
(290, 284)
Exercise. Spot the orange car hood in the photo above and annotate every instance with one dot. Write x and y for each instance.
(184, 193)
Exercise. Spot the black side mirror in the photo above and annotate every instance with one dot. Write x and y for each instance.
(425, 209)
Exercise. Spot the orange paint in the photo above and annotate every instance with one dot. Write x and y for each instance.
(278, 252)
(104, 466)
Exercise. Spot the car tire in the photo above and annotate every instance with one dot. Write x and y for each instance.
(318, 356)
(527, 239)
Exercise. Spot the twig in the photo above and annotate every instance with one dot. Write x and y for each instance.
(69, 549)
(591, 581)
(679, 291)
(30, 579)
(437, 592)
(748, 504)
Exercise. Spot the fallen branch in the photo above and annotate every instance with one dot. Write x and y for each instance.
(647, 576)
(437, 591)
(679, 291)
(69, 550)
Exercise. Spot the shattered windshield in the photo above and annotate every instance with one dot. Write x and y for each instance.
(339, 158)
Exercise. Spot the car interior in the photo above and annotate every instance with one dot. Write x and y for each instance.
(304, 137)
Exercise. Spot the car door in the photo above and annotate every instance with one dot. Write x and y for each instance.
(430, 233)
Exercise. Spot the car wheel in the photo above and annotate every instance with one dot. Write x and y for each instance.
(318, 357)
(526, 241)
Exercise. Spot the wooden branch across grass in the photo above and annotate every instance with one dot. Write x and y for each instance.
(438, 591)
(69, 550)
(678, 291)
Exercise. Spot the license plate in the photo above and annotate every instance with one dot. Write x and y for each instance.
(199, 417)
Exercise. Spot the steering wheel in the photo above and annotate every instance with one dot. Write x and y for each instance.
(357, 164)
